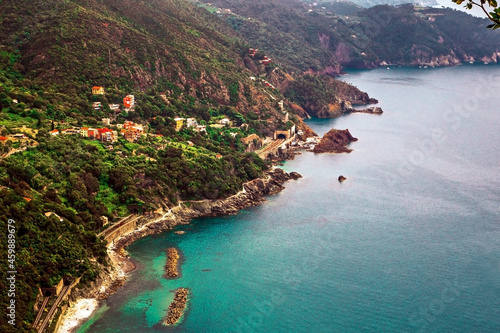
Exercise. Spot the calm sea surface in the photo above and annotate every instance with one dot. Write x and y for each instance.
(409, 243)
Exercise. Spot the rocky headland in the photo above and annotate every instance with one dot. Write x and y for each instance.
(335, 141)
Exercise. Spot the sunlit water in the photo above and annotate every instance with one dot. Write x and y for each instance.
(409, 243)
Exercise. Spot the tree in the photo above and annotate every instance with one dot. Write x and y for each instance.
(493, 16)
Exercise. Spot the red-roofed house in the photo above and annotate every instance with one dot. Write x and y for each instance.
(70, 131)
(106, 135)
(132, 135)
(129, 101)
(97, 90)
(92, 133)
(54, 132)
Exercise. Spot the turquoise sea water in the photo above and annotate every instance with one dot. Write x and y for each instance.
(409, 243)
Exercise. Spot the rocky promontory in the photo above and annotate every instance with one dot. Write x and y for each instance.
(252, 194)
(335, 141)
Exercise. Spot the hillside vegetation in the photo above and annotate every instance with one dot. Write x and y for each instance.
(327, 37)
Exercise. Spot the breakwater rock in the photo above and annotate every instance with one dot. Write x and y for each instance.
(176, 308)
(335, 141)
(171, 270)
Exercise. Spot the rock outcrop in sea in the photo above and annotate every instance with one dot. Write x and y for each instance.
(335, 141)
(372, 110)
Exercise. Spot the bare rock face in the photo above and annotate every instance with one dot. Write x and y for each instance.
(341, 178)
(335, 141)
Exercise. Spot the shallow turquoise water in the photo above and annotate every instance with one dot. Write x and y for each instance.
(409, 243)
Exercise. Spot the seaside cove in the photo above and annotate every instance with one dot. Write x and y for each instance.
(409, 242)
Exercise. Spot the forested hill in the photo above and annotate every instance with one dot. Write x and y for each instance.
(60, 183)
(328, 36)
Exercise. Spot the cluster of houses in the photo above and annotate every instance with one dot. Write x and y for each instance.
(267, 84)
(189, 122)
(129, 130)
(266, 61)
(128, 101)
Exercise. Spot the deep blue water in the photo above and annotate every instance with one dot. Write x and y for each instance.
(409, 243)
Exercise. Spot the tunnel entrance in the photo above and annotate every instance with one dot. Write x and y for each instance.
(68, 280)
(280, 135)
(134, 209)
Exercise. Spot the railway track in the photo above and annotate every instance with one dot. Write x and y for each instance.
(269, 148)
(53, 309)
(40, 312)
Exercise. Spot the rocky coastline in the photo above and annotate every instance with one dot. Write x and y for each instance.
(171, 269)
(253, 193)
(176, 308)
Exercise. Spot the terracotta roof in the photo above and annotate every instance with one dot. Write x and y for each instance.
(3, 138)
(96, 87)
(84, 128)
(54, 131)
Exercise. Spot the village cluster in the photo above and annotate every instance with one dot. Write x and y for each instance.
(129, 130)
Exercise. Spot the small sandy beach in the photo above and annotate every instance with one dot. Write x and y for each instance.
(81, 310)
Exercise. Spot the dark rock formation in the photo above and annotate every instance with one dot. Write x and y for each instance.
(335, 141)
(115, 285)
(295, 175)
(341, 178)
(373, 110)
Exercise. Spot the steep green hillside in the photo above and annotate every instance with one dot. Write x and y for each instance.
(317, 39)
(129, 47)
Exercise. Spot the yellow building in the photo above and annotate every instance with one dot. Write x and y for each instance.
(179, 122)
(98, 90)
